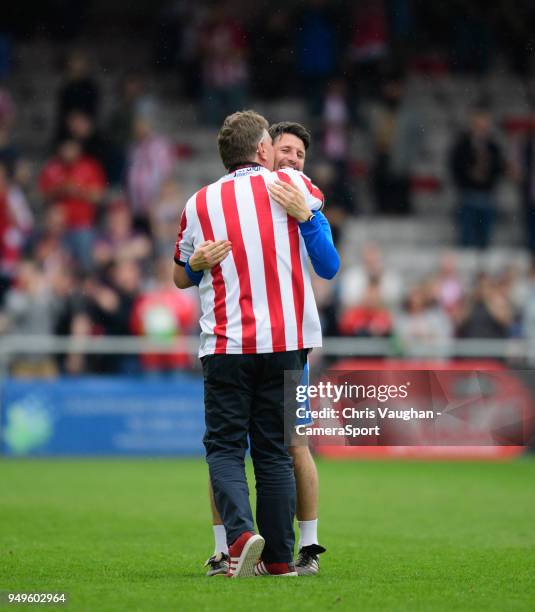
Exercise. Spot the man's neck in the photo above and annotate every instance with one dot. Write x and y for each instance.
(241, 165)
(261, 162)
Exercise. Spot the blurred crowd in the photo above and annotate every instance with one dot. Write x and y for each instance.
(422, 317)
(87, 243)
(230, 49)
(87, 237)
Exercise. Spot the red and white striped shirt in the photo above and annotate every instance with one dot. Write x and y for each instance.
(259, 299)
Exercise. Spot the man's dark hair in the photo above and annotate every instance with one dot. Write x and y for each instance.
(290, 127)
(239, 136)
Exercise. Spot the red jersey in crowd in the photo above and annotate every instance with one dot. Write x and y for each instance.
(84, 173)
(363, 320)
(164, 314)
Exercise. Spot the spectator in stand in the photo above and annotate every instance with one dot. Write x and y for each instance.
(448, 286)
(113, 297)
(47, 245)
(77, 317)
(162, 313)
(163, 216)
(79, 91)
(422, 328)
(111, 307)
(28, 303)
(131, 94)
(397, 133)
(71, 315)
(225, 69)
(131, 97)
(80, 126)
(98, 307)
(526, 173)
(317, 55)
(356, 279)
(29, 309)
(336, 141)
(477, 164)
(75, 363)
(369, 46)
(515, 283)
(119, 240)
(74, 183)
(150, 164)
(9, 154)
(528, 315)
(370, 318)
(488, 312)
(336, 118)
(16, 223)
(17, 166)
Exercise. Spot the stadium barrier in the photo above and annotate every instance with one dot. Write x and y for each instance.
(514, 348)
(150, 415)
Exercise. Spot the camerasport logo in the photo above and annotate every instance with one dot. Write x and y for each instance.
(28, 427)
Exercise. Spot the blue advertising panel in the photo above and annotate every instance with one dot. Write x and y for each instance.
(103, 416)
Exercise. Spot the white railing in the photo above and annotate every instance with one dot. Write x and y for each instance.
(11, 345)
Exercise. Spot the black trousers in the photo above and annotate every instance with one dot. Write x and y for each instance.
(244, 398)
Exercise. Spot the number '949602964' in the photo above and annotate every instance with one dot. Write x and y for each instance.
(36, 597)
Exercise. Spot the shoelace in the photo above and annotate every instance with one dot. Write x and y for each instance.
(304, 557)
(215, 560)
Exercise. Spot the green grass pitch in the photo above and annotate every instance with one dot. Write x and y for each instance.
(133, 535)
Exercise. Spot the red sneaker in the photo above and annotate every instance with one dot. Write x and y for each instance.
(244, 553)
(274, 569)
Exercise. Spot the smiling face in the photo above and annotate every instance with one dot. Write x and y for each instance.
(289, 152)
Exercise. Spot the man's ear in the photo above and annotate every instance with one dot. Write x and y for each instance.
(261, 150)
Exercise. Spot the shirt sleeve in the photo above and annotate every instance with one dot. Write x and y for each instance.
(314, 197)
(320, 247)
(184, 246)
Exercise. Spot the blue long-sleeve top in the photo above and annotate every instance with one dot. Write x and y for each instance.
(320, 246)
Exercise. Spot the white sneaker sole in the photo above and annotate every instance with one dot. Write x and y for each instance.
(247, 560)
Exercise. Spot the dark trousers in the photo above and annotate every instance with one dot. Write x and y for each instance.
(244, 397)
(477, 217)
(392, 191)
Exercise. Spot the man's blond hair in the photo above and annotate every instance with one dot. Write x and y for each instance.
(239, 136)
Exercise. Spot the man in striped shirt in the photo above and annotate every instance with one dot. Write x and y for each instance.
(291, 141)
(259, 318)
